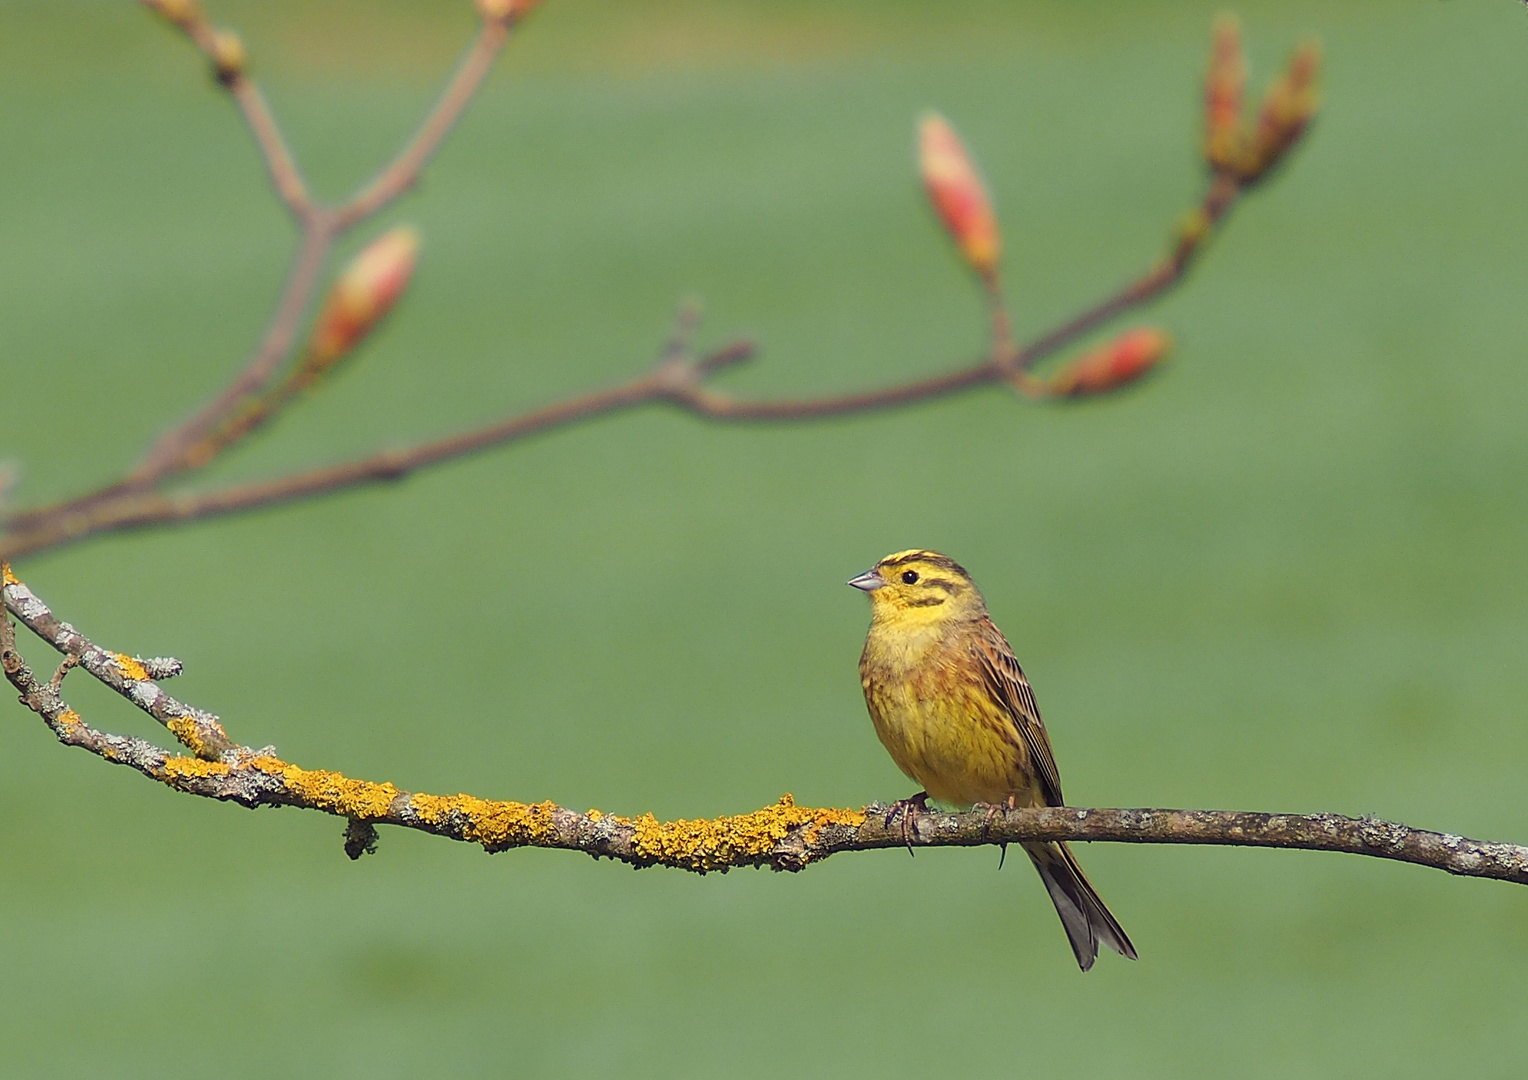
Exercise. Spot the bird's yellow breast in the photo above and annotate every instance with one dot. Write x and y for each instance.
(935, 716)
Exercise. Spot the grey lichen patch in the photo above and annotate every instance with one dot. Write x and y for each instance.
(161, 667)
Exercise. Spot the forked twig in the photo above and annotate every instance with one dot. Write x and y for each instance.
(138, 500)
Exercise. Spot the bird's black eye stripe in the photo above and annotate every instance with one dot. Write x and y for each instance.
(910, 577)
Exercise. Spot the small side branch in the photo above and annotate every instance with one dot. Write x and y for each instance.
(225, 52)
(679, 379)
(186, 447)
(783, 836)
(403, 172)
(170, 454)
(197, 730)
(1238, 158)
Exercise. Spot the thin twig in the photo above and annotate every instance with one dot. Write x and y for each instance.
(285, 177)
(678, 380)
(783, 836)
(169, 454)
(402, 173)
(197, 730)
(135, 502)
(279, 162)
(69, 663)
(186, 447)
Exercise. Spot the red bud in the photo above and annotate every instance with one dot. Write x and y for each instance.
(179, 12)
(363, 294)
(1287, 108)
(505, 10)
(958, 194)
(1119, 363)
(1224, 85)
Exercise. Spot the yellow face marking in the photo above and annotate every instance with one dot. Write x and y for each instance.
(919, 587)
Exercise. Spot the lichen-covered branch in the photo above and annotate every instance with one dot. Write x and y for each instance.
(132, 677)
(783, 836)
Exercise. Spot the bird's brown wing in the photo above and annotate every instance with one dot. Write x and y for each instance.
(1011, 690)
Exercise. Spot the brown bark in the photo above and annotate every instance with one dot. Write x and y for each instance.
(783, 836)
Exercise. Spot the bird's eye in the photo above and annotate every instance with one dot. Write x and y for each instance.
(909, 577)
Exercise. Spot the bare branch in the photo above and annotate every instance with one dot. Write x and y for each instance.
(186, 447)
(783, 836)
(170, 454)
(678, 379)
(229, 69)
(402, 173)
(137, 510)
(285, 177)
(45, 701)
(136, 502)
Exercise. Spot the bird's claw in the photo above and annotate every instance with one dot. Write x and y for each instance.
(993, 810)
(908, 809)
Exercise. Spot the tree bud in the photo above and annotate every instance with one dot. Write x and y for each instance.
(179, 12)
(365, 292)
(228, 55)
(1114, 365)
(1224, 86)
(958, 194)
(505, 10)
(1287, 108)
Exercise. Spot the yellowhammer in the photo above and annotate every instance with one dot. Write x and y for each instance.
(954, 709)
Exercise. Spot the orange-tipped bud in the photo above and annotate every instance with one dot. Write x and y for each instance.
(1110, 367)
(958, 194)
(1287, 108)
(179, 12)
(1224, 85)
(364, 293)
(505, 10)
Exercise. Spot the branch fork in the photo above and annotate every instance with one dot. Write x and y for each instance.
(253, 397)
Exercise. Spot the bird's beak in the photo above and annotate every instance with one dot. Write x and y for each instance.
(869, 581)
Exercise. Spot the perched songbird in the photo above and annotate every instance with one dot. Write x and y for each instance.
(954, 709)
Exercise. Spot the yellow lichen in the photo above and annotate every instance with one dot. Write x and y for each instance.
(69, 718)
(331, 792)
(189, 732)
(715, 844)
(190, 768)
(6, 577)
(130, 667)
(731, 841)
(492, 823)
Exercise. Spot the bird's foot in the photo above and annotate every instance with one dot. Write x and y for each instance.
(993, 810)
(908, 809)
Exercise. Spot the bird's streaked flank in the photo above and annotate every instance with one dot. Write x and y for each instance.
(953, 708)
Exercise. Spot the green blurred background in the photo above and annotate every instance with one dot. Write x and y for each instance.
(1286, 575)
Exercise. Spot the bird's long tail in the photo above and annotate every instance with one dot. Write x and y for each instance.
(1084, 915)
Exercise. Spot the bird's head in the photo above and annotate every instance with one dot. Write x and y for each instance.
(920, 586)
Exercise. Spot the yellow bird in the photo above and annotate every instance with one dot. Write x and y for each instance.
(955, 711)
